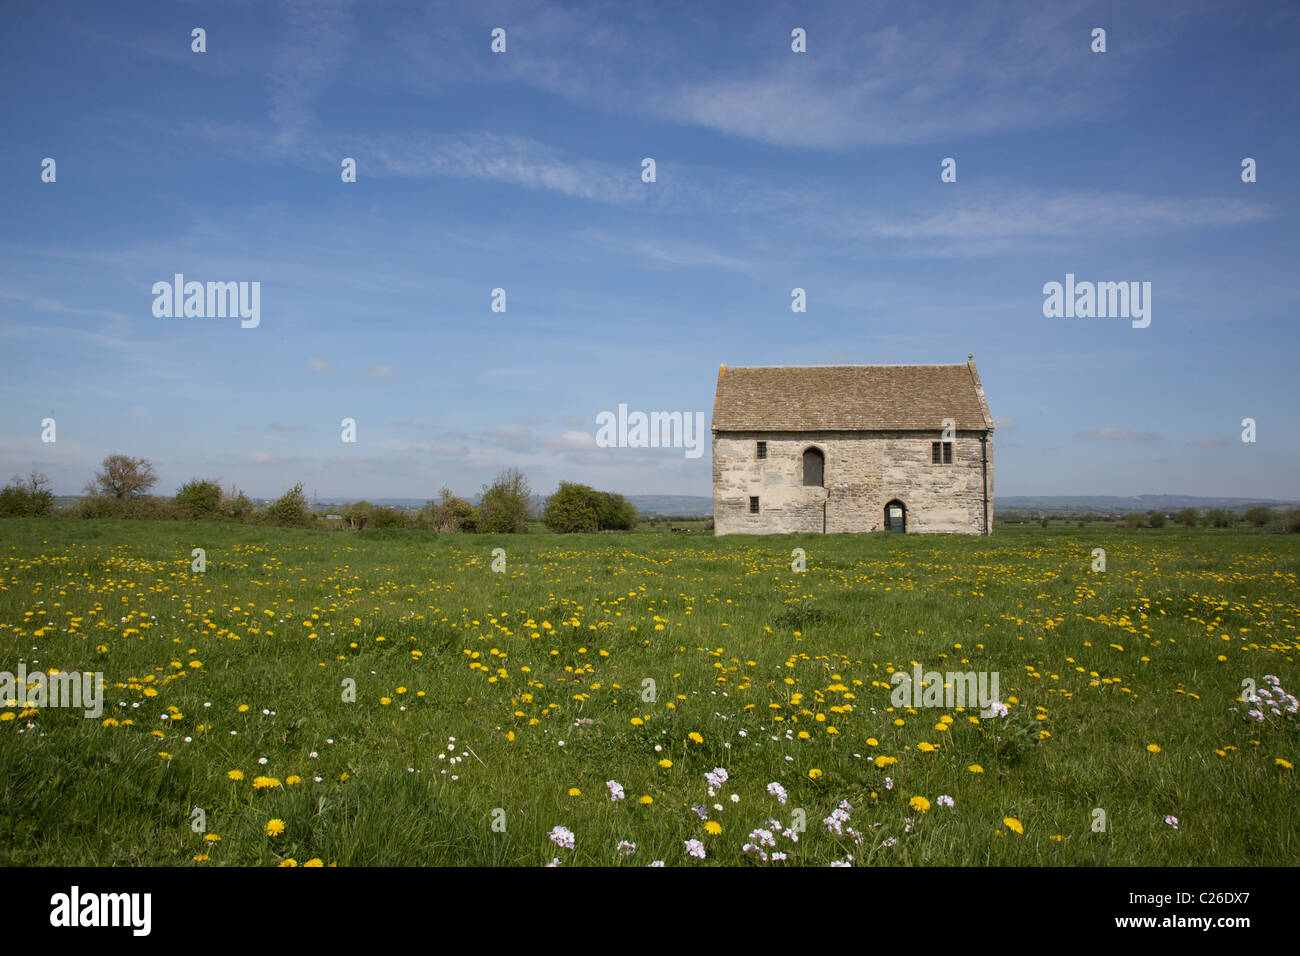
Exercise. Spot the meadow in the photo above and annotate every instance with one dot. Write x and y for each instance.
(630, 699)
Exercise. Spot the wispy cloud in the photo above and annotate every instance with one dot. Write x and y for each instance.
(1112, 433)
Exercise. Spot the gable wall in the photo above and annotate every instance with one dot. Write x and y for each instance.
(864, 471)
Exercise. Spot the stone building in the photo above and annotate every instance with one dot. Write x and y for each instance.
(850, 448)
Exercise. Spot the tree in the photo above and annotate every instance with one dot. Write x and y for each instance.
(26, 498)
(503, 509)
(1132, 520)
(1259, 516)
(1187, 517)
(199, 498)
(451, 514)
(359, 515)
(1292, 521)
(572, 509)
(1156, 519)
(1217, 518)
(615, 512)
(290, 508)
(121, 476)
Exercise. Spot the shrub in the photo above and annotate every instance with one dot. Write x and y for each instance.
(1259, 516)
(1133, 520)
(235, 504)
(290, 509)
(1187, 517)
(199, 498)
(1292, 521)
(579, 508)
(359, 515)
(503, 509)
(1156, 519)
(387, 518)
(26, 498)
(1042, 522)
(142, 508)
(451, 514)
(1217, 518)
(572, 509)
(614, 512)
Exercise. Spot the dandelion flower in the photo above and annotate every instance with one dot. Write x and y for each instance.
(274, 827)
(1154, 748)
(713, 828)
(919, 803)
(235, 774)
(1013, 824)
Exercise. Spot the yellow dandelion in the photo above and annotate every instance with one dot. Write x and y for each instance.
(274, 827)
(665, 763)
(814, 773)
(575, 792)
(695, 737)
(235, 774)
(1153, 748)
(315, 861)
(919, 803)
(212, 837)
(647, 800)
(1283, 763)
(975, 768)
(1013, 824)
(713, 828)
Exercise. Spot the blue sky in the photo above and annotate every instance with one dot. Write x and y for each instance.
(522, 171)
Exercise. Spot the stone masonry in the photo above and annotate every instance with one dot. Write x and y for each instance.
(866, 468)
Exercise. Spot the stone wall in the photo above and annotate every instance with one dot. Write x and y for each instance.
(864, 471)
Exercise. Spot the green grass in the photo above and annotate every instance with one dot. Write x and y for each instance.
(727, 633)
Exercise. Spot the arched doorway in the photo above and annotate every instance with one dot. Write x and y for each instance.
(814, 468)
(896, 517)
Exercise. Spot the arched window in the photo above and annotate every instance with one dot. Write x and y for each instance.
(814, 467)
(896, 517)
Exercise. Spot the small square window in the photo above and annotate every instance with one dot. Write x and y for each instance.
(753, 505)
(762, 449)
(941, 453)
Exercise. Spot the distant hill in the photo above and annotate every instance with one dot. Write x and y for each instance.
(686, 506)
(1106, 504)
(702, 505)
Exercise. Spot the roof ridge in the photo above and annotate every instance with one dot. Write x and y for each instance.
(734, 368)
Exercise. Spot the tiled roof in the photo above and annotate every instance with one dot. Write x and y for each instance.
(850, 398)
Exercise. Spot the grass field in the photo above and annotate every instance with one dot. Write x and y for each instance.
(491, 707)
